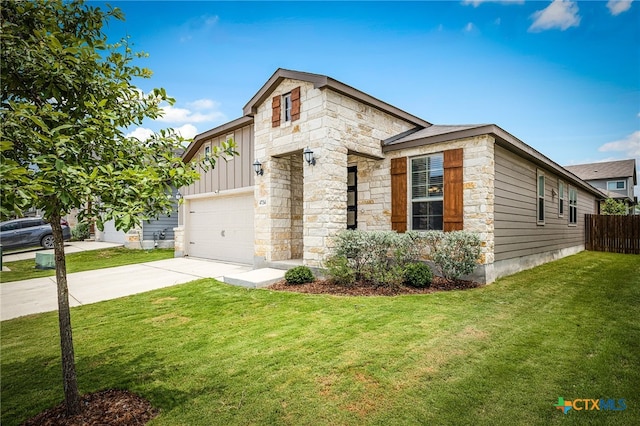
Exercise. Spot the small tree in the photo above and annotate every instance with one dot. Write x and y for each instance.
(67, 98)
(613, 207)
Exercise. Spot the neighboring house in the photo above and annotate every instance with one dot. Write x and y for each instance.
(156, 232)
(375, 167)
(615, 179)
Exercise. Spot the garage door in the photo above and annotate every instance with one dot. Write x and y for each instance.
(221, 228)
(111, 234)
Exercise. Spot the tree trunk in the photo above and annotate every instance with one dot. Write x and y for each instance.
(69, 377)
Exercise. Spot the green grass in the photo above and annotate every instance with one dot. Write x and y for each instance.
(205, 353)
(84, 261)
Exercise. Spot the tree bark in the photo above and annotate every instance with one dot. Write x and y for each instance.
(69, 377)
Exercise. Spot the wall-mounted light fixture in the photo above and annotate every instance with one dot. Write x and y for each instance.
(257, 167)
(309, 157)
(178, 195)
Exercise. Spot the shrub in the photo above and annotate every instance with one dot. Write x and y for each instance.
(81, 231)
(456, 254)
(417, 274)
(339, 272)
(299, 275)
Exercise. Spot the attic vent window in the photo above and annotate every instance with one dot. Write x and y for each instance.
(287, 107)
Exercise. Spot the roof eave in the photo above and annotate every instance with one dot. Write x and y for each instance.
(225, 128)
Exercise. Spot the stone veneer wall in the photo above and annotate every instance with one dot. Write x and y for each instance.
(374, 188)
(332, 125)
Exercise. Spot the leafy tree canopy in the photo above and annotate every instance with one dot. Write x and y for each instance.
(67, 99)
(613, 207)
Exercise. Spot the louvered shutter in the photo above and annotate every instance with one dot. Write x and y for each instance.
(399, 194)
(453, 190)
(295, 104)
(275, 111)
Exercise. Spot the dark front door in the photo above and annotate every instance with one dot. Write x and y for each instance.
(352, 197)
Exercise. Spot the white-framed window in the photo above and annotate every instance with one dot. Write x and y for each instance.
(573, 206)
(286, 100)
(540, 198)
(561, 198)
(427, 192)
(616, 185)
(207, 151)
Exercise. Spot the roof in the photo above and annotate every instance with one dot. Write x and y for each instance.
(444, 133)
(197, 142)
(605, 170)
(320, 82)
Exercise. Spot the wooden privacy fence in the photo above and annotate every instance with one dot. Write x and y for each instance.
(616, 234)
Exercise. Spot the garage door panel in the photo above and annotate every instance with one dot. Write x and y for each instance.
(221, 228)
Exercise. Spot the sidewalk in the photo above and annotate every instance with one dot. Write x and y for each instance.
(69, 247)
(37, 295)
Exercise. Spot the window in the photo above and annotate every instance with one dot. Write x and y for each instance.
(207, 151)
(616, 185)
(573, 206)
(540, 207)
(561, 199)
(427, 190)
(287, 106)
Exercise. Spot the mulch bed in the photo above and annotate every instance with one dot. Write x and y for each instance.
(104, 408)
(363, 289)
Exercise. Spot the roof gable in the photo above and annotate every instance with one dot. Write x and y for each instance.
(320, 82)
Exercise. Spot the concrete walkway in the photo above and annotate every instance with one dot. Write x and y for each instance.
(37, 295)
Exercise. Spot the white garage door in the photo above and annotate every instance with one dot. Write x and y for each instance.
(111, 234)
(221, 228)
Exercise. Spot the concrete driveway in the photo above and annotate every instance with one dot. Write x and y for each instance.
(37, 295)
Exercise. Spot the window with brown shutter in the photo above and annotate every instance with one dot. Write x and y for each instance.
(453, 190)
(295, 104)
(399, 194)
(275, 111)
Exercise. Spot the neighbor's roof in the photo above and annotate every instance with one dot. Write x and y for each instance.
(605, 170)
(320, 82)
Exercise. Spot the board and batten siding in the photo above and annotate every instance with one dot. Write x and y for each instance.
(235, 173)
(516, 230)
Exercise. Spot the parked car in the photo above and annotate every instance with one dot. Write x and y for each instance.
(29, 232)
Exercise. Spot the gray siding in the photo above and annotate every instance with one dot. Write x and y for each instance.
(235, 173)
(164, 222)
(516, 230)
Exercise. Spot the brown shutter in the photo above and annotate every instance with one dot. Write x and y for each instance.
(295, 104)
(275, 107)
(453, 211)
(399, 194)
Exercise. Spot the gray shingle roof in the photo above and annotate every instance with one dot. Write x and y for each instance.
(605, 170)
(434, 130)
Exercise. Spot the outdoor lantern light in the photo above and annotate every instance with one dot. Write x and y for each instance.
(178, 195)
(257, 166)
(308, 155)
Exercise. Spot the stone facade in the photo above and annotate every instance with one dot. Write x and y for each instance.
(336, 128)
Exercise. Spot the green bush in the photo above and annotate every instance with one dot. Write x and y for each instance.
(80, 232)
(417, 275)
(299, 275)
(457, 254)
(339, 272)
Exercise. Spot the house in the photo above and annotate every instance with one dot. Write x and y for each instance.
(153, 232)
(615, 179)
(329, 157)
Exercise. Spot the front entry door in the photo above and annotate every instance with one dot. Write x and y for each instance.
(352, 197)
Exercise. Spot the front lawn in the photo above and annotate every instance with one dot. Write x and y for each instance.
(84, 261)
(207, 353)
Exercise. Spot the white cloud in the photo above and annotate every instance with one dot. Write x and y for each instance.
(630, 145)
(187, 131)
(476, 3)
(560, 14)
(469, 27)
(203, 104)
(616, 7)
(140, 133)
(172, 114)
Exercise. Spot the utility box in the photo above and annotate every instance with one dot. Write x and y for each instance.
(45, 261)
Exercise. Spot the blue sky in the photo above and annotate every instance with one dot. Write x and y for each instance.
(562, 76)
